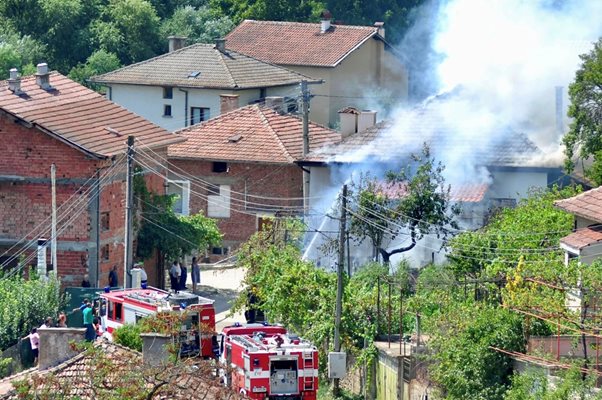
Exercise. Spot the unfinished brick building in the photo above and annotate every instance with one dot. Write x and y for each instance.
(49, 119)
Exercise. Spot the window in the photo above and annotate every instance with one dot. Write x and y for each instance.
(111, 308)
(104, 221)
(182, 191)
(167, 110)
(168, 92)
(218, 201)
(220, 167)
(220, 251)
(118, 307)
(198, 114)
(104, 253)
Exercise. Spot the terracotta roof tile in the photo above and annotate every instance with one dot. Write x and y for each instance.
(295, 43)
(216, 69)
(465, 193)
(586, 205)
(250, 134)
(81, 116)
(583, 237)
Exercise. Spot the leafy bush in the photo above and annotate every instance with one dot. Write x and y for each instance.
(128, 335)
(25, 304)
(4, 365)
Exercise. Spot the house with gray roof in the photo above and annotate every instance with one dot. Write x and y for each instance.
(486, 169)
(192, 84)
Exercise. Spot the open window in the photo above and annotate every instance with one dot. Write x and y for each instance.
(182, 191)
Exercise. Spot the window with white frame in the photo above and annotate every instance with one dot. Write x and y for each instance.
(218, 201)
(182, 191)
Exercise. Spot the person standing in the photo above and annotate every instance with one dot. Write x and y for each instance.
(174, 276)
(195, 272)
(86, 281)
(62, 320)
(113, 280)
(88, 319)
(143, 276)
(34, 341)
(183, 276)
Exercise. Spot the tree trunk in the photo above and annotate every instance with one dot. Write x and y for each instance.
(386, 255)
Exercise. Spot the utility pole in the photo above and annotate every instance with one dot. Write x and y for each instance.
(129, 221)
(305, 118)
(53, 237)
(340, 267)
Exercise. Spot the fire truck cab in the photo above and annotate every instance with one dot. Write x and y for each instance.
(264, 361)
(198, 336)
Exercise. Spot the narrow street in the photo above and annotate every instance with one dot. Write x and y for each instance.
(222, 284)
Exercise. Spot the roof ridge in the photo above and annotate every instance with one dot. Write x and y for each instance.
(309, 23)
(275, 65)
(578, 196)
(266, 122)
(127, 67)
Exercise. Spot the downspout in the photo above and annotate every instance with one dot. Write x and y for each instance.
(185, 106)
(97, 193)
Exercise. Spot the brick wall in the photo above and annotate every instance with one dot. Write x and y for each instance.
(24, 204)
(280, 181)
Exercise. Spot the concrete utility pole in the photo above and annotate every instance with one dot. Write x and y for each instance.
(53, 237)
(129, 221)
(305, 117)
(340, 268)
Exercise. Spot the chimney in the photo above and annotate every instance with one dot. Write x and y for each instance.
(220, 44)
(365, 120)
(55, 345)
(325, 21)
(14, 81)
(227, 103)
(43, 77)
(155, 349)
(348, 117)
(176, 42)
(381, 28)
(275, 103)
(559, 110)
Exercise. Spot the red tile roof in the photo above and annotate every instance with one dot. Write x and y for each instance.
(295, 43)
(586, 205)
(80, 117)
(465, 193)
(250, 134)
(583, 237)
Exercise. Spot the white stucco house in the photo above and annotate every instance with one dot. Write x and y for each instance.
(358, 66)
(485, 172)
(192, 84)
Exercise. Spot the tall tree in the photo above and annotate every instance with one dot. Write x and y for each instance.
(585, 134)
(274, 10)
(413, 201)
(199, 25)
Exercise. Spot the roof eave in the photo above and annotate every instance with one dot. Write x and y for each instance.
(178, 85)
(203, 159)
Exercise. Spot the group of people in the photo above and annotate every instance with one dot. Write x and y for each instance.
(34, 336)
(178, 273)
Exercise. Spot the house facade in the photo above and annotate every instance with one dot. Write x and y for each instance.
(240, 169)
(585, 243)
(358, 67)
(188, 85)
(49, 119)
(500, 174)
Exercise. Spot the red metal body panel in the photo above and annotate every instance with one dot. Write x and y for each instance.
(267, 362)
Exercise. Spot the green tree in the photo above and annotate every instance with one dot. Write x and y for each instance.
(25, 304)
(273, 10)
(198, 25)
(419, 206)
(100, 62)
(17, 51)
(130, 29)
(585, 134)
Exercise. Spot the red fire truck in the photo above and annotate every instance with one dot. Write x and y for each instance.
(266, 362)
(130, 305)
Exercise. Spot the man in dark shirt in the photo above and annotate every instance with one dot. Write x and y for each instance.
(113, 281)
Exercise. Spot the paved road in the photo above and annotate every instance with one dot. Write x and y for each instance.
(222, 285)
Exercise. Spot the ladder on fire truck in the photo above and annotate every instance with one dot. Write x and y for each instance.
(308, 371)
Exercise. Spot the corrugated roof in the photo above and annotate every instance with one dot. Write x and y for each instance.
(583, 237)
(295, 43)
(250, 134)
(587, 205)
(80, 116)
(203, 66)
